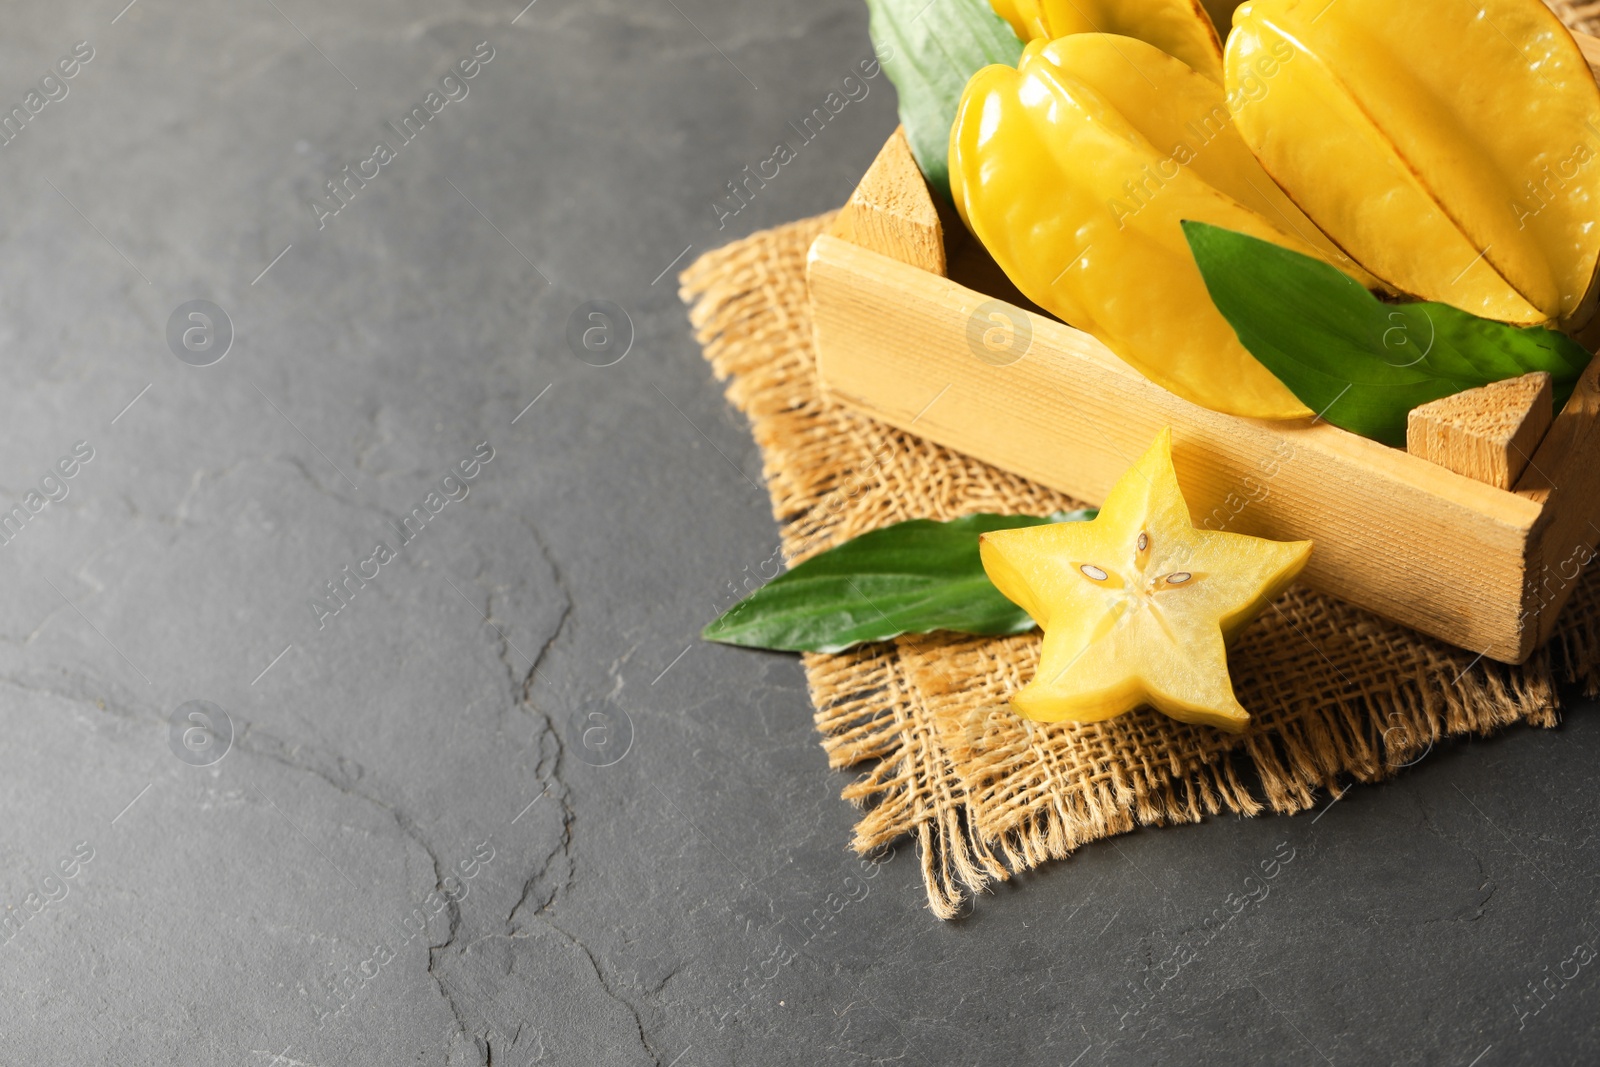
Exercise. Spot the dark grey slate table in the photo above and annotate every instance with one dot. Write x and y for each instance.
(500, 806)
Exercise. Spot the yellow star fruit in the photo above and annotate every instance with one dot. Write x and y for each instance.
(1138, 606)
(1180, 28)
(1449, 148)
(1076, 170)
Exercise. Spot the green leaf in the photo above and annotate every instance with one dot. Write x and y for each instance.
(929, 49)
(1361, 363)
(911, 577)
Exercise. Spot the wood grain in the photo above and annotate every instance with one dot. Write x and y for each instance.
(1563, 477)
(1487, 433)
(1590, 47)
(893, 214)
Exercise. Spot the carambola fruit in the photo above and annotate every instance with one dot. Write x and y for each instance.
(1138, 606)
(1449, 147)
(1076, 169)
(1179, 28)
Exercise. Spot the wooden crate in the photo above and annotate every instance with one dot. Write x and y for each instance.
(895, 289)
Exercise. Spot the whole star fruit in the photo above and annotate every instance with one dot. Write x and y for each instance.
(1180, 28)
(1450, 148)
(1077, 169)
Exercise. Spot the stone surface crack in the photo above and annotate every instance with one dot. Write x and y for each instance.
(342, 776)
(605, 986)
(339, 772)
(549, 748)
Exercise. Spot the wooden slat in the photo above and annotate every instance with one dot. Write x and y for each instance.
(891, 212)
(1564, 477)
(1590, 47)
(1487, 433)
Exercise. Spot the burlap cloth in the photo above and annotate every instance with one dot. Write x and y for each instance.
(1336, 694)
(1579, 14)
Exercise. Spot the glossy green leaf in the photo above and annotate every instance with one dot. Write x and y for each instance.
(912, 577)
(929, 49)
(1359, 362)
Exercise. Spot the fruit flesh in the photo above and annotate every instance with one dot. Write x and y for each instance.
(1462, 171)
(1137, 605)
(1180, 28)
(1059, 178)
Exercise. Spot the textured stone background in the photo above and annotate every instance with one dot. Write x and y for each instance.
(690, 902)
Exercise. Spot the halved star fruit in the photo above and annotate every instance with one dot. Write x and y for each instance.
(1138, 606)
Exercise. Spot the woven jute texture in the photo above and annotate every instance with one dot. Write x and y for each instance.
(1579, 14)
(1336, 695)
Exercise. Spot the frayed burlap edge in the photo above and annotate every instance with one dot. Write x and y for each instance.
(1337, 695)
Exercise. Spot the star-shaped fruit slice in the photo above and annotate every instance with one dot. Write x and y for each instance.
(1138, 606)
